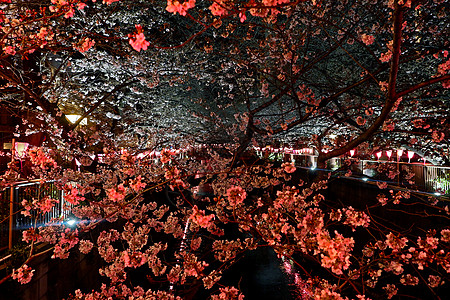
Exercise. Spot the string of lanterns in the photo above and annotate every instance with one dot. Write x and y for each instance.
(310, 151)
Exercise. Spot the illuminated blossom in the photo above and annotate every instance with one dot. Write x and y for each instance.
(336, 252)
(84, 45)
(313, 221)
(199, 217)
(360, 121)
(29, 235)
(69, 13)
(385, 57)
(72, 195)
(85, 246)
(117, 194)
(137, 40)
(228, 293)
(396, 243)
(409, 279)
(175, 6)
(172, 173)
(134, 259)
(137, 185)
(389, 125)
(195, 243)
(9, 50)
(445, 235)
(236, 195)
(46, 204)
(43, 32)
(288, 167)
(166, 156)
(23, 274)
(391, 290)
(367, 39)
(382, 184)
(41, 159)
(356, 218)
(434, 281)
(242, 17)
(437, 136)
(218, 8)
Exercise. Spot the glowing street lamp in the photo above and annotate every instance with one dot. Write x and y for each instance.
(352, 152)
(410, 155)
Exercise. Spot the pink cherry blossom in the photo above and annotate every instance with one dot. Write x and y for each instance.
(23, 274)
(367, 39)
(288, 167)
(175, 6)
(236, 195)
(139, 43)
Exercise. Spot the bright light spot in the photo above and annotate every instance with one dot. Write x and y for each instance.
(437, 194)
(71, 222)
(73, 118)
(365, 179)
(313, 167)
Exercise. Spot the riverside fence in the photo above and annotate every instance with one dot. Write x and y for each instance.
(427, 178)
(12, 221)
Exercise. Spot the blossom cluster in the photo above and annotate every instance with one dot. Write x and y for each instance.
(23, 274)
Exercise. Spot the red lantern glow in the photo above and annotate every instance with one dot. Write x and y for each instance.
(410, 155)
(389, 153)
(379, 154)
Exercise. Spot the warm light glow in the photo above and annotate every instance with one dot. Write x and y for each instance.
(77, 162)
(21, 148)
(389, 153)
(73, 118)
(410, 155)
(379, 154)
(399, 152)
(352, 152)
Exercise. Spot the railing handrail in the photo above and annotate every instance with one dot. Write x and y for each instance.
(13, 200)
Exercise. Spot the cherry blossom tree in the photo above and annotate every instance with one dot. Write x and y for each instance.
(339, 76)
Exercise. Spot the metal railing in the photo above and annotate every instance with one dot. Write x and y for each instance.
(427, 177)
(13, 222)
